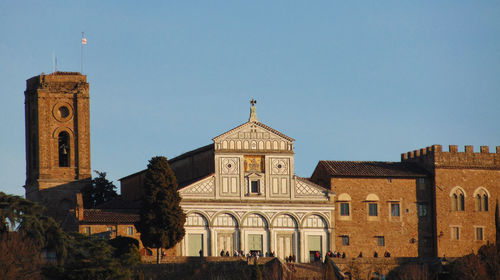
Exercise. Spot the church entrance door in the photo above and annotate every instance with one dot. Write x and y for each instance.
(255, 243)
(314, 245)
(195, 244)
(225, 242)
(285, 245)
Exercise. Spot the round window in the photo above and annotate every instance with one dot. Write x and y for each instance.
(63, 112)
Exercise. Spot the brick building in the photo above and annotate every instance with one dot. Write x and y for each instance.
(241, 191)
(432, 203)
(465, 189)
(57, 140)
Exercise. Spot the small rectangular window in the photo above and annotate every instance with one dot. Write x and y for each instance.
(380, 241)
(254, 186)
(345, 240)
(479, 233)
(88, 230)
(130, 230)
(421, 183)
(455, 233)
(422, 209)
(344, 209)
(395, 209)
(372, 209)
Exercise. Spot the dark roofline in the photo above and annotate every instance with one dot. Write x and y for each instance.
(416, 171)
(133, 174)
(192, 181)
(192, 152)
(177, 158)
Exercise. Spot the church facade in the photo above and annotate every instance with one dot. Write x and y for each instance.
(240, 193)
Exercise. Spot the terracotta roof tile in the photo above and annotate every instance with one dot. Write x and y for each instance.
(102, 216)
(373, 169)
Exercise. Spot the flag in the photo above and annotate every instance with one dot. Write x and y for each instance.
(84, 41)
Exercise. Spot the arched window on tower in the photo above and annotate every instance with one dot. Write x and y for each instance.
(457, 196)
(63, 140)
(461, 206)
(481, 199)
(454, 202)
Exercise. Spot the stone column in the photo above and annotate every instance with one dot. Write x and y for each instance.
(302, 247)
(212, 242)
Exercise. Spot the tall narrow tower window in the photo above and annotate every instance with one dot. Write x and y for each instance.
(64, 149)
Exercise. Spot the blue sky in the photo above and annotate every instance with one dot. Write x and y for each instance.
(349, 80)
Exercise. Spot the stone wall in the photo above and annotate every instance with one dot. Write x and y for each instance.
(469, 181)
(403, 235)
(57, 103)
(465, 172)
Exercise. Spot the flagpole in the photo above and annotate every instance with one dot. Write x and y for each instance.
(81, 55)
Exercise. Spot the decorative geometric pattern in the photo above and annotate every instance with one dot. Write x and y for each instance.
(205, 187)
(279, 166)
(230, 165)
(211, 213)
(314, 221)
(195, 219)
(240, 213)
(284, 221)
(300, 215)
(254, 220)
(304, 189)
(270, 215)
(225, 220)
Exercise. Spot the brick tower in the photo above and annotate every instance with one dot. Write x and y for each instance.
(57, 139)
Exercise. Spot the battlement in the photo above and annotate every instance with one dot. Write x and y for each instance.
(434, 156)
(57, 81)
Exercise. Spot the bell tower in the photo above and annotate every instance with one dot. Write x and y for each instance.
(57, 139)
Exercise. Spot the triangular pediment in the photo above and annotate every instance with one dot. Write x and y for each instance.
(202, 188)
(306, 188)
(254, 136)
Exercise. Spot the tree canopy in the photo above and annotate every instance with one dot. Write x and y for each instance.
(161, 217)
(101, 190)
(94, 258)
(27, 218)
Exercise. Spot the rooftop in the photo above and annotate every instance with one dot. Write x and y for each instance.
(108, 217)
(372, 169)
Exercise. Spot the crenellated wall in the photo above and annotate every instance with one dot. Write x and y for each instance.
(465, 173)
(434, 156)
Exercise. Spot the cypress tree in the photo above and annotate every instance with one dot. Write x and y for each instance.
(161, 218)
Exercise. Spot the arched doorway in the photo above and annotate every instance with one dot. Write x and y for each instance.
(256, 231)
(195, 240)
(286, 235)
(226, 231)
